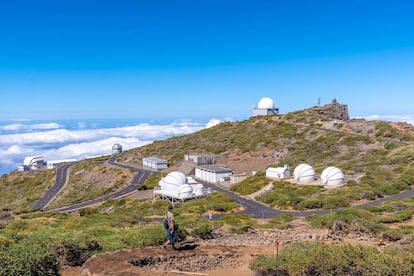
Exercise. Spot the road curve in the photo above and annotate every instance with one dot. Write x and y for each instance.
(259, 210)
(49, 195)
(139, 178)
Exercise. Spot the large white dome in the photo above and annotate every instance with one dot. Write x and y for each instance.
(266, 103)
(304, 173)
(332, 176)
(176, 178)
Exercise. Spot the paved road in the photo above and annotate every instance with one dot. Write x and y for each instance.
(251, 207)
(49, 195)
(259, 210)
(137, 180)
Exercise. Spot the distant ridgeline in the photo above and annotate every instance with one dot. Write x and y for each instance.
(334, 110)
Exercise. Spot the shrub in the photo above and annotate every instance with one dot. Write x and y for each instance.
(151, 182)
(251, 184)
(362, 217)
(310, 258)
(28, 258)
(399, 216)
(392, 235)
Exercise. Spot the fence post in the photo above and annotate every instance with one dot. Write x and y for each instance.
(277, 257)
(322, 259)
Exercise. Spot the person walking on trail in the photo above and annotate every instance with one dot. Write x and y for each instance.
(171, 228)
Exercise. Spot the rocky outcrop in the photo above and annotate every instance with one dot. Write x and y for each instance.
(188, 261)
(334, 110)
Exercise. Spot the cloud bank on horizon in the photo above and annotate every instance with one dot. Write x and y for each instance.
(53, 141)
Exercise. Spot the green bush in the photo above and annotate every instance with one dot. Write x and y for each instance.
(392, 235)
(151, 182)
(29, 257)
(251, 184)
(399, 216)
(310, 258)
(279, 222)
(362, 217)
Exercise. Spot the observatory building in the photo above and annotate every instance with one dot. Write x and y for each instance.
(265, 107)
(177, 187)
(212, 173)
(279, 172)
(304, 173)
(154, 163)
(332, 177)
(116, 149)
(31, 163)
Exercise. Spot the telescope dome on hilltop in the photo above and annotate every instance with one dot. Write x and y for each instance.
(116, 148)
(266, 103)
(265, 107)
(176, 178)
(304, 173)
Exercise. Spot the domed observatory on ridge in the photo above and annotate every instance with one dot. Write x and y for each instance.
(116, 149)
(265, 107)
(176, 186)
(332, 177)
(304, 173)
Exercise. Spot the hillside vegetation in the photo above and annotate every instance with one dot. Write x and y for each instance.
(19, 191)
(376, 157)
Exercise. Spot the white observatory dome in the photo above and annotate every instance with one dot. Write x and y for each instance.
(332, 176)
(176, 178)
(266, 103)
(304, 173)
(185, 190)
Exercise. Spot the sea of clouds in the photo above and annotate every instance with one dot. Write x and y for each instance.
(79, 139)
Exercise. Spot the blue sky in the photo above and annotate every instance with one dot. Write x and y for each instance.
(72, 59)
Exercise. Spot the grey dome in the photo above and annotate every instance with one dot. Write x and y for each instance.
(116, 148)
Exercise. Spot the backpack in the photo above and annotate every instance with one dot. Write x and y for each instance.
(166, 224)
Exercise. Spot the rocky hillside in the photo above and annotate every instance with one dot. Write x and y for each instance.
(315, 136)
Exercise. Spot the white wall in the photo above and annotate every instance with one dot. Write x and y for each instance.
(210, 177)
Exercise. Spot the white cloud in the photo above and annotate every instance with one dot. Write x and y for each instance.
(25, 127)
(213, 122)
(392, 118)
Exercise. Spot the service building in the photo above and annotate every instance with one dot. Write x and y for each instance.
(212, 173)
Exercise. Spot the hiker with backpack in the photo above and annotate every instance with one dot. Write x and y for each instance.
(171, 228)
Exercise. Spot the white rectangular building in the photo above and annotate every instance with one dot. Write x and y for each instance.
(154, 163)
(212, 173)
(279, 172)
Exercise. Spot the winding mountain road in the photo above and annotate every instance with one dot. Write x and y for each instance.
(49, 195)
(61, 178)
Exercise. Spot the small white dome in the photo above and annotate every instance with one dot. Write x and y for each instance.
(266, 103)
(332, 176)
(304, 173)
(185, 190)
(199, 189)
(176, 178)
